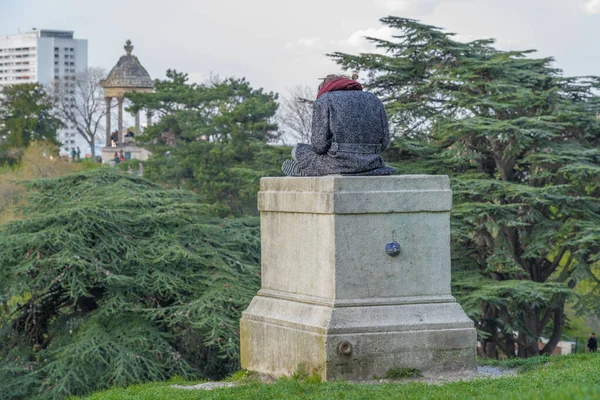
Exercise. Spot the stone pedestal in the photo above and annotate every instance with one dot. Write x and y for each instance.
(333, 302)
(135, 153)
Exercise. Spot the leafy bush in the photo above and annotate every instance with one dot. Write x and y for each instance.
(111, 280)
(226, 174)
(39, 160)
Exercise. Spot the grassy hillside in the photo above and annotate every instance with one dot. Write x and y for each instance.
(568, 377)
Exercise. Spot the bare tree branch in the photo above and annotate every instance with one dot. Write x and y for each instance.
(295, 114)
(79, 103)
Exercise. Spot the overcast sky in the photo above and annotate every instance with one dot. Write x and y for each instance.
(277, 44)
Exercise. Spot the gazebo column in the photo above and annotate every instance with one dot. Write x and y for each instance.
(120, 124)
(137, 123)
(108, 104)
(148, 117)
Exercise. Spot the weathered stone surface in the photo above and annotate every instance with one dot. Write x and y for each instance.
(327, 279)
(205, 386)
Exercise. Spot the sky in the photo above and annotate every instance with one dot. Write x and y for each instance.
(278, 44)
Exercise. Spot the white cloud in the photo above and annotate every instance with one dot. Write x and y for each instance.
(591, 7)
(309, 42)
(413, 7)
(502, 44)
(306, 44)
(199, 77)
(357, 39)
(465, 38)
(356, 42)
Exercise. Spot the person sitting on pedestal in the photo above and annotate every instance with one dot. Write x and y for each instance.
(114, 137)
(129, 134)
(349, 132)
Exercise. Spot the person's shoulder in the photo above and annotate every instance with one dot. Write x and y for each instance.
(354, 93)
(344, 96)
(324, 98)
(371, 96)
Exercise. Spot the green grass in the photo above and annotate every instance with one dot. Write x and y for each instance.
(402, 373)
(568, 377)
(521, 364)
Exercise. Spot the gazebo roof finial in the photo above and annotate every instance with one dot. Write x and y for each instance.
(128, 47)
(128, 73)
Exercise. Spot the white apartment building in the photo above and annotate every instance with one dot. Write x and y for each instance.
(41, 56)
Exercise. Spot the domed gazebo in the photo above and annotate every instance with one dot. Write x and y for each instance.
(127, 76)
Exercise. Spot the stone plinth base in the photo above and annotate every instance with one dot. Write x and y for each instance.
(135, 153)
(333, 302)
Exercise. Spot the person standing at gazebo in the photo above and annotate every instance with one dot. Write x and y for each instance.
(114, 137)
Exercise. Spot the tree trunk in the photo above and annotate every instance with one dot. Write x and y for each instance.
(489, 349)
(528, 338)
(488, 345)
(559, 322)
(93, 147)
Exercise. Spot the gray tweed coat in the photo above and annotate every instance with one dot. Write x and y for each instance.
(349, 131)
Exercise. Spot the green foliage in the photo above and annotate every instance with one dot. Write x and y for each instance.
(521, 143)
(25, 116)
(110, 280)
(403, 373)
(213, 111)
(306, 374)
(129, 165)
(39, 160)
(569, 377)
(222, 173)
(211, 139)
(411, 156)
(244, 376)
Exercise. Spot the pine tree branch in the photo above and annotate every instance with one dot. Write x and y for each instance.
(546, 272)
